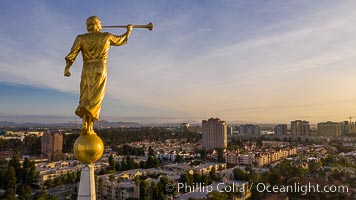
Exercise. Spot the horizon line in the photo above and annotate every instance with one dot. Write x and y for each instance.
(52, 119)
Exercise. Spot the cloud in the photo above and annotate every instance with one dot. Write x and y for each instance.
(286, 68)
(248, 69)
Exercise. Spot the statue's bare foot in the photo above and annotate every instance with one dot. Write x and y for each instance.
(84, 130)
(91, 129)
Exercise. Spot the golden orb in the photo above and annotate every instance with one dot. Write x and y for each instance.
(88, 148)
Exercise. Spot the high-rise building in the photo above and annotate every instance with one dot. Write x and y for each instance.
(329, 129)
(280, 129)
(214, 133)
(348, 128)
(52, 145)
(230, 131)
(249, 129)
(184, 127)
(299, 127)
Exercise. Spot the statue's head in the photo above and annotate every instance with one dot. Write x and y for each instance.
(93, 24)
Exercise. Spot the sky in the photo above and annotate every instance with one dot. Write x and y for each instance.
(254, 61)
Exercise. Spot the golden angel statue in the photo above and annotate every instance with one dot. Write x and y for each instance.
(94, 47)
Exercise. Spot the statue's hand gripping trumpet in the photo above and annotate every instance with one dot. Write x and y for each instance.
(94, 47)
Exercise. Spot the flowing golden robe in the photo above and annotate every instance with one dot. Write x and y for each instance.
(95, 48)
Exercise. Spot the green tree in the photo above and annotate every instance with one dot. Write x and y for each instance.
(58, 181)
(143, 164)
(10, 194)
(15, 163)
(144, 190)
(213, 175)
(328, 160)
(130, 163)
(111, 162)
(48, 183)
(24, 171)
(239, 174)
(205, 179)
(315, 166)
(215, 195)
(31, 174)
(163, 182)
(151, 152)
(274, 178)
(221, 157)
(186, 179)
(65, 178)
(43, 195)
(157, 193)
(123, 165)
(202, 154)
(111, 177)
(197, 178)
(11, 178)
(249, 169)
(3, 162)
(254, 178)
(152, 162)
(179, 159)
(77, 176)
(234, 194)
(24, 192)
(3, 172)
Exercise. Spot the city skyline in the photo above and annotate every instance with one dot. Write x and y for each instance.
(265, 62)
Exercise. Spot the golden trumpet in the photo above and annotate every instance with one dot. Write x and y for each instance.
(149, 26)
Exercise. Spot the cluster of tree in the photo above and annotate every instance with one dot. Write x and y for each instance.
(127, 163)
(31, 145)
(179, 159)
(115, 137)
(278, 175)
(235, 144)
(148, 190)
(156, 190)
(203, 153)
(191, 180)
(68, 142)
(128, 150)
(340, 164)
(220, 157)
(72, 177)
(341, 148)
(17, 178)
(220, 154)
(285, 173)
(43, 195)
(118, 136)
(216, 195)
(205, 180)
